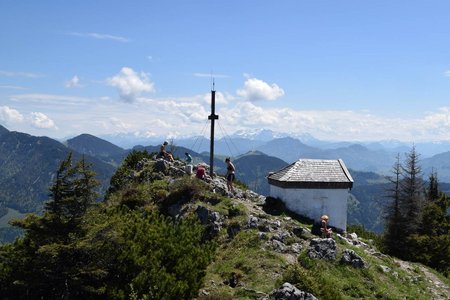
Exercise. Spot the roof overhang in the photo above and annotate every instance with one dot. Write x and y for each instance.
(310, 184)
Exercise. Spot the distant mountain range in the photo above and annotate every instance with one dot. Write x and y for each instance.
(28, 164)
(375, 156)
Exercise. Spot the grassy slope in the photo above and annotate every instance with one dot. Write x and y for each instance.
(259, 270)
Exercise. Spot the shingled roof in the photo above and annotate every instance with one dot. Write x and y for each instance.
(313, 173)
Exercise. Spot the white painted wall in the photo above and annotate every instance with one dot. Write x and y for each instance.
(314, 203)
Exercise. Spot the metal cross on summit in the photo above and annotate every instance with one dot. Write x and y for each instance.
(212, 117)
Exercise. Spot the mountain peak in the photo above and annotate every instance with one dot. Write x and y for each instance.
(89, 144)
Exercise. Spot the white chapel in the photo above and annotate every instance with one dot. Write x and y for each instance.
(314, 187)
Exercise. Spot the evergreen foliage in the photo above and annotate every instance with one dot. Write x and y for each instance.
(431, 244)
(120, 178)
(417, 223)
(395, 219)
(78, 249)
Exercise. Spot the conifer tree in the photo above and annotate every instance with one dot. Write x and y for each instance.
(394, 217)
(404, 215)
(412, 197)
(431, 245)
(49, 264)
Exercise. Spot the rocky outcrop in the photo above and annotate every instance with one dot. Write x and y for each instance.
(349, 257)
(211, 219)
(289, 292)
(322, 249)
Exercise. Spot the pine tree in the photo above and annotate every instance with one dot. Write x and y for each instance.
(412, 197)
(49, 264)
(431, 245)
(394, 218)
(404, 215)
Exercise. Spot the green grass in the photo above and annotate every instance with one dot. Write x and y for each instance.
(244, 258)
(332, 280)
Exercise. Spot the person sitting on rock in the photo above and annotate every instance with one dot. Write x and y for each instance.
(326, 232)
(164, 154)
(188, 158)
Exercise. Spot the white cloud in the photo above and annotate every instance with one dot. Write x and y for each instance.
(74, 82)
(10, 115)
(42, 121)
(19, 74)
(338, 125)
(130, 84)
(12, 87)
(221, 98)
(100, 36)
(119, 125)
(447, 73)
(50, 99)
(256, 89)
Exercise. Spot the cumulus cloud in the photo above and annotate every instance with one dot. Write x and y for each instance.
(338, 125)
(42, 121)
(10, 115)
(447, 73)
(74, 82)
(256, 89)
(130, 84)
(100, 36)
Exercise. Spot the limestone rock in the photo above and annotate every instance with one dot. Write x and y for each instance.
(289, 292)
(322, 249)
(162, 166)
(252, 222)
(350, 257)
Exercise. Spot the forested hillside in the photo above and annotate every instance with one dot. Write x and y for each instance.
(27, 168)
(96, 147)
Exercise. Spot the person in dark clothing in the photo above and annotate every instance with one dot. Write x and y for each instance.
(188, 158)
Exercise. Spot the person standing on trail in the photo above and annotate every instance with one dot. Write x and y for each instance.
(230, 175)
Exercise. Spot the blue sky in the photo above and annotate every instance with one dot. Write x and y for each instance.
(339, 70)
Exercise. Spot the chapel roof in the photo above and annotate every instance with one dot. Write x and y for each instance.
(313, 173)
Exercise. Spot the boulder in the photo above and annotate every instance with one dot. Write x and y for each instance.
(298, 231)
(322, 249)
(252, 222)
(212, 219)
(233, 230)
(162, 166)
(176, 172)
(296, 248)
(349, 257)
(278, 246)
(289, 292)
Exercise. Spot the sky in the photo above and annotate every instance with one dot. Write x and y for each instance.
(338, 70)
